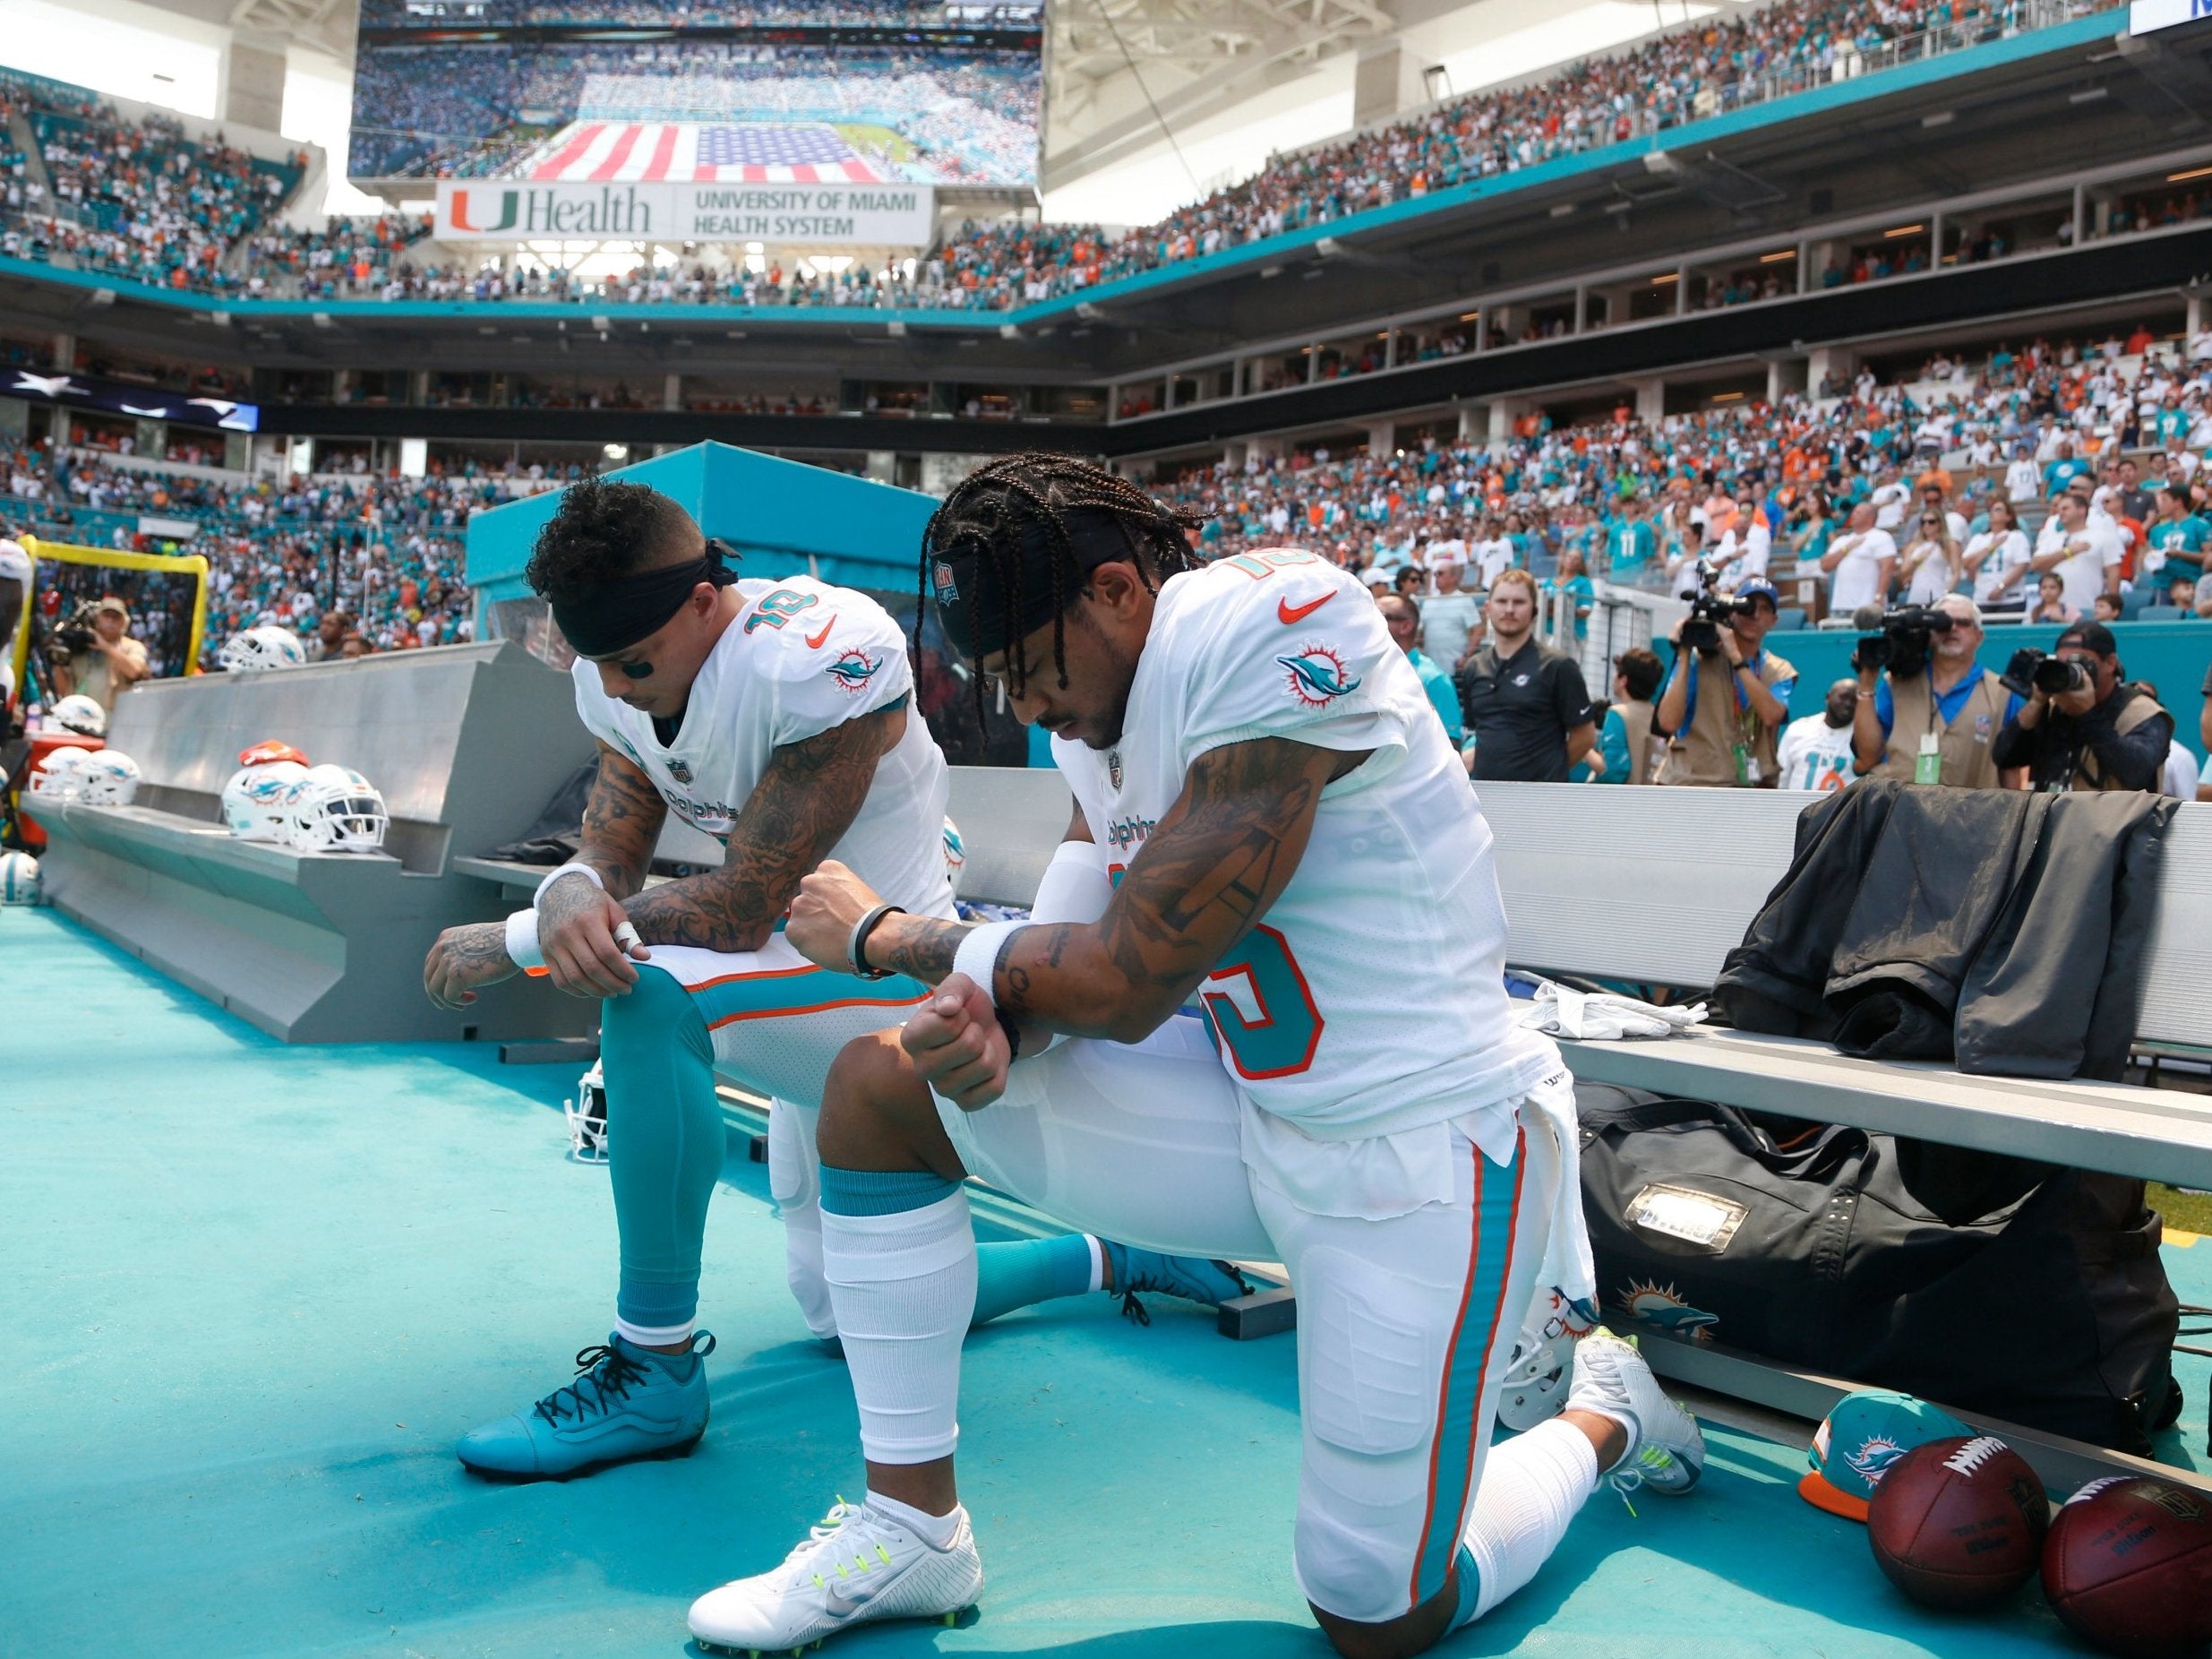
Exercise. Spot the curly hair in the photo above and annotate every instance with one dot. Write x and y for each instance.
(1001, 511)
(604, 530)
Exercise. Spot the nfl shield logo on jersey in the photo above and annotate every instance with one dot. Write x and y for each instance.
(941, 578)
(680, 770)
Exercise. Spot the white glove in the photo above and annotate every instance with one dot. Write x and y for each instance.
(1558, 1011)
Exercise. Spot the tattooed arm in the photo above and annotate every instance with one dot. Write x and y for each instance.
(1220, 857)
(622, 817)
(805, 801)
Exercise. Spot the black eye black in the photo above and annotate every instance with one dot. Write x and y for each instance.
(636, 671)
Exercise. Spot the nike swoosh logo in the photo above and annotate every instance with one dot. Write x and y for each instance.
(814, 641)
(839, 1605)
(1289, 614)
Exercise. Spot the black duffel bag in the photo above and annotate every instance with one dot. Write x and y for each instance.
(2022, 1291)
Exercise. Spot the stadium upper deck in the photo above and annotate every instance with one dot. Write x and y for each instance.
(1548, 272)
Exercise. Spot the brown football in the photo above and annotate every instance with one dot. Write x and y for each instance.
(2129, 1567)
(1959, 1523)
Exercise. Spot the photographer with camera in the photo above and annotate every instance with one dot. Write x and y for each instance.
(1926, 713)
(1727, 696)
(93, 653)
(2082, 726)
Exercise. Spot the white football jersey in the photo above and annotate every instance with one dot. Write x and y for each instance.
(15, 567)
(1371, 998)
(802, 656)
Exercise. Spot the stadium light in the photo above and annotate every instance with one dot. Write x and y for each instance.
(1903, 230)
(2195, 172)
(1778, 257)
(615, 451)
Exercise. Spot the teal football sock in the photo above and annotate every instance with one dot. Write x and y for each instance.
(1023, 1272)
(664, 1149)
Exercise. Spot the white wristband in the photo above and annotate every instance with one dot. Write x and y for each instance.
(596, 880)
(522, 940)
(978, 956)
(1076, 887)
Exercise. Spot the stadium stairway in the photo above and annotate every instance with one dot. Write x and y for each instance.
(260, 1290)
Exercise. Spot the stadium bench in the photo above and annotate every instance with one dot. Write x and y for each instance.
(465, 744)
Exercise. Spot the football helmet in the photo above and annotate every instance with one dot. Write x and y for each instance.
(1540, 1369)
(272, 749)
(333, 809)
(19, 879)
(258, 650)
(956, 853)
(109, 777)
(61, 776)
(257, 798)
(80, 714)
(588, 1117)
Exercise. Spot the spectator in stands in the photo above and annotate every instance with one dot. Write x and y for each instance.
(1815, 752)
(1628, 746)
(1525, 703)
(111, 665)
(1724, 710)
(329, 636)
(1944, 717)
(1861, 564)
(1996, 559)
(2049, 605)
(355, 646)
(2103, 735)
(1450, 617)
(2175, 536)
(1631, 545)
(2084, 556)
(1403, 618)
(1572, 581)
(1930, 564)
(2105, 607)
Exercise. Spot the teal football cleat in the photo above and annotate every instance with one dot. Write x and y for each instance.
(626, 1402)
(1191, 1277)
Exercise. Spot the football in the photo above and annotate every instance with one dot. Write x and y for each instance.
(1959, 1523)
(2128, 1566)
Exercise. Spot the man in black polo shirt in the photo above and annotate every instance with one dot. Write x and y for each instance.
(1525, 703)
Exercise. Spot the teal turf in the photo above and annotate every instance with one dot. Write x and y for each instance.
(257, 1292)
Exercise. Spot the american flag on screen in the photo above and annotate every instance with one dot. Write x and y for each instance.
(681, 153)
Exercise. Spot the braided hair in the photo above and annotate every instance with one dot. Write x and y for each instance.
(995, 509)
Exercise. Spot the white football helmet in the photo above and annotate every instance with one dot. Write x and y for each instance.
(258, 650)
(110, 777)
(19, 879)
(61, 776)
(256, 799)
(1540, 1368)
(80, 714)
(334, 810)
(588, 1117)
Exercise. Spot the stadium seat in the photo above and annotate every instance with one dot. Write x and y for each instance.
(1790, 619)
(2158, 613)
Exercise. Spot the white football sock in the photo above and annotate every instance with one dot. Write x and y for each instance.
(1531, 1486)
(937, 1530)
(902, 1287)
(795, 1182)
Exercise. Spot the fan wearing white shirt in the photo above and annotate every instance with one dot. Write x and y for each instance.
(1744, 552)
(2084, 557)
(1998, 558)
(1860, 564)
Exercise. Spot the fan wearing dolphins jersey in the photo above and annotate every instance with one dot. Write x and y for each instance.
(775, 716)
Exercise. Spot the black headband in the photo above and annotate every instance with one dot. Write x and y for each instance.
(617, 615)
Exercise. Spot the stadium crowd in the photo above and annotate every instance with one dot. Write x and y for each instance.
(387, 553)
(1767, 491)
(410, 121)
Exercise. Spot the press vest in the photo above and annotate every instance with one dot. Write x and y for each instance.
(1967, 745)
(1705, 753)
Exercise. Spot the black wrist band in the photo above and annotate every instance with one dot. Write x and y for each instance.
(856, 950)
(1007, 1023)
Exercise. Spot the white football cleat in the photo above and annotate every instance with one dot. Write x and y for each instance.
(1666, 1450)
(857, 1565)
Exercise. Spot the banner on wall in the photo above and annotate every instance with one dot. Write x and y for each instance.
(783, 215)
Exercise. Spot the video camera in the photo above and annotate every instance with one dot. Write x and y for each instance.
(74, 637)
(1708, 611)
(1907, 634)
(2031, 671)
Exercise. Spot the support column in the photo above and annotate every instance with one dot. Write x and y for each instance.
(64, 348)
(1650, 399)
(1474, 423)
(1382, 439)
(1840, 361)
(2192, 321)
(671, 393)
(1264, 451)
(252, 85)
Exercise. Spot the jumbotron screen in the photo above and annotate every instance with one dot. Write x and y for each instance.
(698, 92)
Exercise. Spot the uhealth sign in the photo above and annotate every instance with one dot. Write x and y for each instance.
(839, 215)
(2146, 16)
